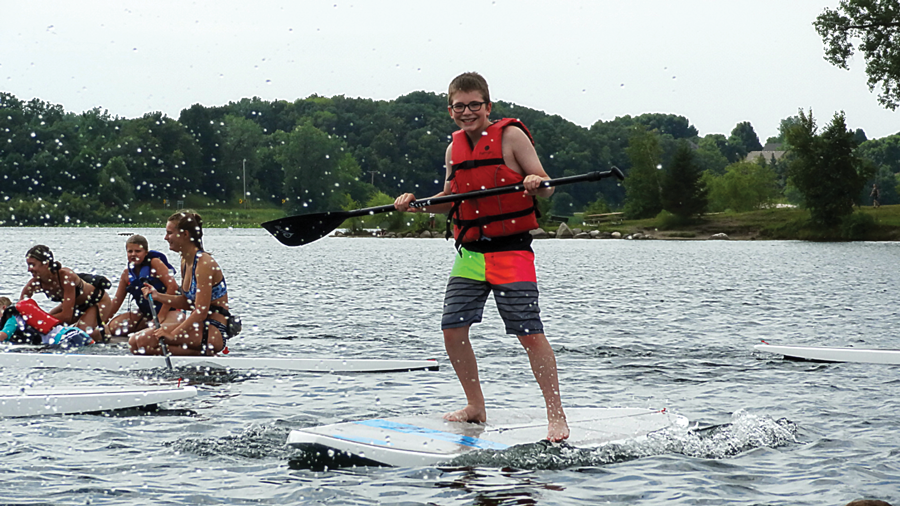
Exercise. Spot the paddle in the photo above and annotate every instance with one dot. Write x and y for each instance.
(306, 228)
(162, 342)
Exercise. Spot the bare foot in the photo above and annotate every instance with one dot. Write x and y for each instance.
(557, 430)
(468, 414)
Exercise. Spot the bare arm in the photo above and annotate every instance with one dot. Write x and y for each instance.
(161, 271)
(119, 298)
(173, 301)
(33, 286)
(520, 156)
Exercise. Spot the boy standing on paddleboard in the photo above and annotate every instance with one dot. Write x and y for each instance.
(494, 244)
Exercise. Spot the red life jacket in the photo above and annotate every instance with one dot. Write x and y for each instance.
(35, 317)
(480, 168)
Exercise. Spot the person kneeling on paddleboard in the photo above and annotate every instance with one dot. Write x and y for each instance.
(144, 266)
(27, 323)
(494, 244)
(207, 321)
(82, 297)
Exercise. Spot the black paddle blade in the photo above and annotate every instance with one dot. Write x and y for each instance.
(300, 230)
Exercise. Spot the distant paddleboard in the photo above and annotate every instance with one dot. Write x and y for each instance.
(143, 362)
(429, 440)
(68, 401)
(814, 354)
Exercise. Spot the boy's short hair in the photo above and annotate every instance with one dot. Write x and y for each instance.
(5, 302)
(469, 81)
(139, 240)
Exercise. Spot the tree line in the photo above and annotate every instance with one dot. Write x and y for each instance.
(325, 153)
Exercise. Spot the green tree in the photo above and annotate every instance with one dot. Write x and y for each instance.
(162, 158)
(876, 24)
(114, 187)
(318, 172)
(709, 154)
(642, 184)
(682, 190)
(887, 188)
(745, 186)
(731, 148)
(744, 137)
(204, 123)
(668, 124)
(562, 204)
(242, 140)
(598, 206)
(826, 168)
(783, 126)
(393, 221)
(884, 155)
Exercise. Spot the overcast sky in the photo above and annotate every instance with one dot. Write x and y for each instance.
(715, 62)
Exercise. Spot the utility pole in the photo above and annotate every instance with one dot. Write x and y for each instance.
(373, 172)
(244, 178)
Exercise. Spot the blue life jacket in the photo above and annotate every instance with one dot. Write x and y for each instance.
(140, 274)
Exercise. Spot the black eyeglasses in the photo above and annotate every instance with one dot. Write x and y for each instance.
(473, 106)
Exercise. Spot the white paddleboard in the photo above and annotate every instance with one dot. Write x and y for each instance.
(866, 356)
(66, 401)
(428, 440)
(143, 362)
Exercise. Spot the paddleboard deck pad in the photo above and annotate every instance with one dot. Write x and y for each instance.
(429, 440)
(68, 401)
(144, 362)
(814, 354)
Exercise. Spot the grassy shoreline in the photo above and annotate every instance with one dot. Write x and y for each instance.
(866, 224)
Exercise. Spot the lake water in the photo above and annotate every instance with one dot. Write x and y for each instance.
(634, 323)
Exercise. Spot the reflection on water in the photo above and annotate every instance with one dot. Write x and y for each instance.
(492, 487)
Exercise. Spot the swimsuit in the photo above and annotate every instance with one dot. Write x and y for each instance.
(219, 290)
(79, 288)
(98, 282)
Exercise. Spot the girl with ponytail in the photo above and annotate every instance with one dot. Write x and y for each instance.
(81, 303)
(207, 321)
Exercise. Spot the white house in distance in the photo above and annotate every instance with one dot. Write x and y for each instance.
(771, 153)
